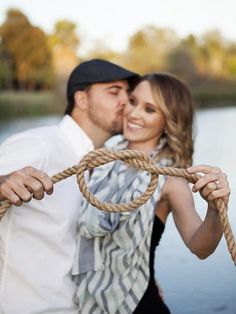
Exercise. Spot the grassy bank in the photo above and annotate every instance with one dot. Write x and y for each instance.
(206, 100)
(215, 95)
(17, 104)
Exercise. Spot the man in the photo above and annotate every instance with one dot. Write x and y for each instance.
(37, 240)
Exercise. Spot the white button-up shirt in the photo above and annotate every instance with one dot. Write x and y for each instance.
(38, 239)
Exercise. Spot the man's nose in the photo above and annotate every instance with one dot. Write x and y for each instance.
(123, 101)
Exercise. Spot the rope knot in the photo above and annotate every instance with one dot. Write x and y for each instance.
(141, 161)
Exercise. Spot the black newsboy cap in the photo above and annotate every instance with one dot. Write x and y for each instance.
(96, 71)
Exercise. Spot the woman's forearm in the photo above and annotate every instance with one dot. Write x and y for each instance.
(206, 238)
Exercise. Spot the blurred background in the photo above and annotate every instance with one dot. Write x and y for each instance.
(42, 41)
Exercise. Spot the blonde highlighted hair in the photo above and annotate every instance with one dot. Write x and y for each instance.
(176, 103)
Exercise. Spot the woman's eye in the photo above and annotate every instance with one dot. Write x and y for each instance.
(149, 109)
(132, 101)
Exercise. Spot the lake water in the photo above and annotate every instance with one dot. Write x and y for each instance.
(191, 286)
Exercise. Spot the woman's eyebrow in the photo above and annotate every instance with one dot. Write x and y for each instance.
(132, 95)
(151, 104)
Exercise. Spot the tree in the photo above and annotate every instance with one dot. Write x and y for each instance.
(65, 35)
(7, 70)
(149, 47)
(181, 63)
(212, 54)
(28, 49)
(231, 60)
(64, 44)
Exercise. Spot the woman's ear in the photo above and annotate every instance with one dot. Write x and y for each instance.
(81, 100)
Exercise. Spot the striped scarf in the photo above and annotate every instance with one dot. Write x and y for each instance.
(111, 264)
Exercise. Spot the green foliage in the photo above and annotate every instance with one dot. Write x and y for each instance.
(64, 35)
(30, 59)
(63, 43)
(148, 49)
(28, 50)
(231, 65)
(7, 72)
(181, 63)
(231, 60)
(212, 50)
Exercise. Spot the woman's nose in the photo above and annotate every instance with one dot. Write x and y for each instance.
(135, 112)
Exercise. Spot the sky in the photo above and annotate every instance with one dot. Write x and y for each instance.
(113, 22)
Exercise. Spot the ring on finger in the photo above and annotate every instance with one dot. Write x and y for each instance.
(217, 183)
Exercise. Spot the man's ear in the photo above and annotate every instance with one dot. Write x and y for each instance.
(81, 100)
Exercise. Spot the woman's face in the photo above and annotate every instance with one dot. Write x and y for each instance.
(144, 122)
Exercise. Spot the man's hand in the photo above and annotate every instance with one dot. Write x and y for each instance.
(21, 185)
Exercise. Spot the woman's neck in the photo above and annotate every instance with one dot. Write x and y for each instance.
(141, 147)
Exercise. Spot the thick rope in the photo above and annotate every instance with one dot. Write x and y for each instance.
(141, 161)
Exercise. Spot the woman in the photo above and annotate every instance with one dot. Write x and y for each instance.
(114, 262)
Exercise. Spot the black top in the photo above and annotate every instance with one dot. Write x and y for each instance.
(158, 229)
(151, 301)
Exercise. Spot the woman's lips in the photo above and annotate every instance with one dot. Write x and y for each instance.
(132, 125)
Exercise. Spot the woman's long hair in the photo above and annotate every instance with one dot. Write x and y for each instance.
(176, 103)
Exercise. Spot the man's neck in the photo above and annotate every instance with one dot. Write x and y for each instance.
(96, 134)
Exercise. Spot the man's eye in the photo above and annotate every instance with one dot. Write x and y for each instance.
(114, 92)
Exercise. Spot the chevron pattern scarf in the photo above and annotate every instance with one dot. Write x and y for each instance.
(111, 264)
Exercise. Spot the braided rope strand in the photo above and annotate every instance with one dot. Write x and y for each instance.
(141, 161)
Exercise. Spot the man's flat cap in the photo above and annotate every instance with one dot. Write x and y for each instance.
(96, 71)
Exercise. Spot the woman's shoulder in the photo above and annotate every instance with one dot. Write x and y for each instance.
(117, 143)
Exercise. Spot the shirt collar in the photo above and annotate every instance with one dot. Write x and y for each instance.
(77, 137)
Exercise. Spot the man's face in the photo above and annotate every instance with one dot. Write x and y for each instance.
(106, 102)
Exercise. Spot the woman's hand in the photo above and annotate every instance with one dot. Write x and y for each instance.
(212, 185)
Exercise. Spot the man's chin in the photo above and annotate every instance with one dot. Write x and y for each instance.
(117, 128)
